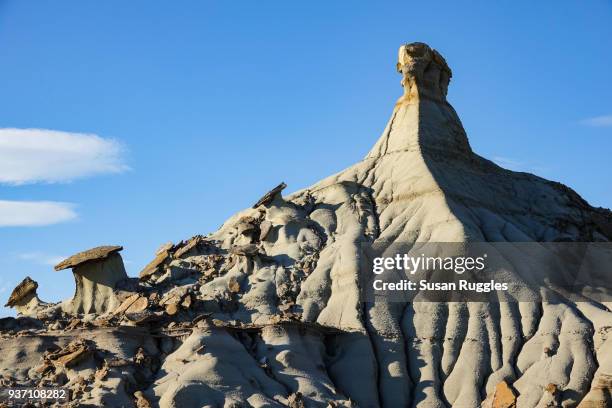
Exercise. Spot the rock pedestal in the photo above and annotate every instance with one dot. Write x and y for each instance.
(96, 273)
(25, 299)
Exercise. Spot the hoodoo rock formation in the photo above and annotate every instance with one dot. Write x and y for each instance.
(96, 274)
(24, 298)
(267, 310)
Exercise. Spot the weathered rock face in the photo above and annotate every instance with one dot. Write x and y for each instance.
(266, 311)
(24, 298)
(96, 273)
(425, 73)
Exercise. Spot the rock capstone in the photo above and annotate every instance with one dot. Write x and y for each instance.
(96, 272)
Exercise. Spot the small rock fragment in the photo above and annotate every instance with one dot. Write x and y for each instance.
(245, 250)
(504, 396)
(164, 248)
(295, 400)
(186, 303)
(141, 400)
(200, 318)
(72, 354)
(193, 243)
(126, 304)
(155, 265)
(102, 372)
(74, 323)
(117, 362)
(233, 285)
(551, 396)
(78, 386)
(172, 309)
(171, 302)
(552, 388)
(141, 317)
(141, 358)
(139, 305)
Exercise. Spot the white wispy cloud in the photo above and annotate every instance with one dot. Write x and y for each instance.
(598, 121)
(42, 155)
(34, 213)
(41, 258)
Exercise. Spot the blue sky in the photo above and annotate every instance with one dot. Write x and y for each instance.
(179, 114)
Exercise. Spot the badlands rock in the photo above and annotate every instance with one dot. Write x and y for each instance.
(503, 397)
(269, 196)
(270, 312)
(24, 298)
(96, 273)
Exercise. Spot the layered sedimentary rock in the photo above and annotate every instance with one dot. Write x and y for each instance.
(25, 299)
(267, 311)
(96, 274)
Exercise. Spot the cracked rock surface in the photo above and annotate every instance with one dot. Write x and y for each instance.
(266, 311)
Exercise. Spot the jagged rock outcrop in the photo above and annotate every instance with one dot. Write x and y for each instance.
(25, 299)
(267, 310)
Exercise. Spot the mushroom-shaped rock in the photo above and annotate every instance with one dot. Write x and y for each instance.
(24, 298)
(270, 195)
(96, 273)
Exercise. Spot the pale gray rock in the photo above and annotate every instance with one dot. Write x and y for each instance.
(276, 317)
(96, 273)
(25, 299)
